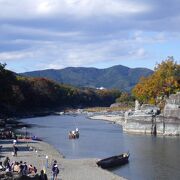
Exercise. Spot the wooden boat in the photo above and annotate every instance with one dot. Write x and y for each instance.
(114, 161)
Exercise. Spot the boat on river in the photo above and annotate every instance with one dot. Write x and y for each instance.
(74, 134)
(114, 161)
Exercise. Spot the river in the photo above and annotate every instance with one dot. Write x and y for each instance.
(151, 158)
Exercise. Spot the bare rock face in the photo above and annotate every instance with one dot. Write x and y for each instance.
(142, 119)
(171, 115)
(172, 107)
(148, 120)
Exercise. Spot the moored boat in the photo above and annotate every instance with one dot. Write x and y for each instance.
(114, 161)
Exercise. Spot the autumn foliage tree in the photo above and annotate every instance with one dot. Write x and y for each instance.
(164, 81)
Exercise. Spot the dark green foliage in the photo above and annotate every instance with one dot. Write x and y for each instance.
(21, 94)
(119, 77)
(7, 85)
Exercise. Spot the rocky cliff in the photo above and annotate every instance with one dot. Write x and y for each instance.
(146, 119)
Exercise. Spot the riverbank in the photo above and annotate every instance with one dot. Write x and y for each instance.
(70, 169)
(118, 119)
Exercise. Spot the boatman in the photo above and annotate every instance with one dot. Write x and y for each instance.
(77, 130)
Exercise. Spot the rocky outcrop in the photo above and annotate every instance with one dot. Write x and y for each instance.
(172, 107)
(147, 119)
(142, 120)
(171, 115)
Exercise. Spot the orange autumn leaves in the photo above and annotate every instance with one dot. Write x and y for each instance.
(164, 81)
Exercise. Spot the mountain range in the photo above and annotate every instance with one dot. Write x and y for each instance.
(118, 77)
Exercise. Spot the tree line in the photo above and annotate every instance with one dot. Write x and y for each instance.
(21, 94)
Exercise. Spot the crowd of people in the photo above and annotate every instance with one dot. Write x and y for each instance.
(21, 168)
(6, 134)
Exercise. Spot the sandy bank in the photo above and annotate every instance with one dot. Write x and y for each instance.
(111, 118)
(77, 169)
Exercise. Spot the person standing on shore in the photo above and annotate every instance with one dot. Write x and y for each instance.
(55, 170)
(15, 149)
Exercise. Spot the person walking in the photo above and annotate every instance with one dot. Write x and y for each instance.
(15, 149)
(55, 170)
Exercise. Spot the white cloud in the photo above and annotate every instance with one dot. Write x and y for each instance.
(102, 7)
(61, 33)
(53, 65)
(150, 37)
(14, 29)
(80, 8)
(44, 7)
(161, 37)
(16, 55)
(58, 54)
(138, 53)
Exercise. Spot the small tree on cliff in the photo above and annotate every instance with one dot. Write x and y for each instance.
(164, 81)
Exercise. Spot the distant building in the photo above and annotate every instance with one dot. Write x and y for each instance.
(101, 88)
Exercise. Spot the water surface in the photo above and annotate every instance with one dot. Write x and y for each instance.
(151, 157)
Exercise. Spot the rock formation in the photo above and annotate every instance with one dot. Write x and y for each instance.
(171, 115)
(148, 120)
(142, 120)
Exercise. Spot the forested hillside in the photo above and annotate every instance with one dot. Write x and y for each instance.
(119, 77)
(20, 94)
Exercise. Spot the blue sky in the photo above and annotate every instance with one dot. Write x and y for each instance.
(43, 34)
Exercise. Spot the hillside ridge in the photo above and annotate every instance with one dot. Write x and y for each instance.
(118, 76)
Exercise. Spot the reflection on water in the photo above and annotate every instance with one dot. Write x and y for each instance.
(150, 157)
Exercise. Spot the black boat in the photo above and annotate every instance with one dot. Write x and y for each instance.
(114, 161)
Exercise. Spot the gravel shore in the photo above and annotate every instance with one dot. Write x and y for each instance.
(111, 118)
(70, 169)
